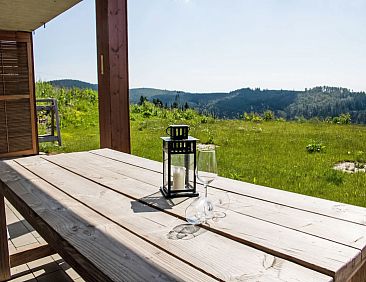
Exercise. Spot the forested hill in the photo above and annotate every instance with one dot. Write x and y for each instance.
(319, 102)
(70, 83)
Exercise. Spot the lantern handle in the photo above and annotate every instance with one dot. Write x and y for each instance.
(166, 130)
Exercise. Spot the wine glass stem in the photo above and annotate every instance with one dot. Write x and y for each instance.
(205, 187)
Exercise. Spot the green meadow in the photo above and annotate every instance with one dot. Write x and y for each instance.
(271, 153)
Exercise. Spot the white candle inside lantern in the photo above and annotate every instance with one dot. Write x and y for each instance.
(179, 174)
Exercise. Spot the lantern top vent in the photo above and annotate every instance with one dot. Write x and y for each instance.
(178, 132)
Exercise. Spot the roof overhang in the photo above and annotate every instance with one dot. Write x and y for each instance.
(28, 15)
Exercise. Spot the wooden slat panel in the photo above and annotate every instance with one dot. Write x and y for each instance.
(311, 251)
(17, 92)
(13, 97)
(19, 125)
(97, 248)
(15, 68)
(207, 251)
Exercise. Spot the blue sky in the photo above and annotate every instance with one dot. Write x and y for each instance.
(216, 45)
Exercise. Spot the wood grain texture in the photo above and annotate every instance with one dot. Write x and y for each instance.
(256, 226)
(97, 248)
(32, 95)
(29, 255)
(113, 82)
(17, 109)
(13, 97)
(207, 251)
(31, 14)
(311, 204)
(359, 275)
(104, 97)
(4, 250)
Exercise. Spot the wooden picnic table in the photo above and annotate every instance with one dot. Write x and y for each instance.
(103, 213)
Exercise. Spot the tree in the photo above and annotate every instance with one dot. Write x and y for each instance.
(157, 102)
(174, 105)
(143, 99)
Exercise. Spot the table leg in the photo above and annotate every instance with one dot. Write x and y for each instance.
(4, 249)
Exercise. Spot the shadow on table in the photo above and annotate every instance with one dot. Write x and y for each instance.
(185, 232)
(147, 203)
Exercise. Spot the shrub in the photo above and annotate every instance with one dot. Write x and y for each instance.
(342, 119)
(315, 147)
(268, 115)
(252, 117)
(300, 119)
(257, 118)
(247, 117)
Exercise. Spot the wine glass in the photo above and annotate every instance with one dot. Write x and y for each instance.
(202, 208)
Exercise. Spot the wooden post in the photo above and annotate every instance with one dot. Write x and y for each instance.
(113, 88)
(4, 249)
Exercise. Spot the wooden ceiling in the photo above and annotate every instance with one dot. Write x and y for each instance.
(28, 15)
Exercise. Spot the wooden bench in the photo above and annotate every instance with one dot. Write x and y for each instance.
(103, 213)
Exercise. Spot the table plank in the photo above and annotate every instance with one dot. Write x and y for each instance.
(322, 226)
(311, 204)
(311, 251)
(207, 251)
(98, 248)
(341, 231)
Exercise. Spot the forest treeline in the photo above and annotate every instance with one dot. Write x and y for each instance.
(318, 102)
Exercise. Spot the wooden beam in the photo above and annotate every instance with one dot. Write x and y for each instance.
(32, 254)
(359, 274)
(66, 250)
(32, 94)
(4, 249)
(113, 85)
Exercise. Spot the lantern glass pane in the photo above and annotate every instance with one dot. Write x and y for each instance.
(182, 168)
(165, 172)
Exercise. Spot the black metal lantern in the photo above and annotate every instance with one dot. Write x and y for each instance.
(179, 163)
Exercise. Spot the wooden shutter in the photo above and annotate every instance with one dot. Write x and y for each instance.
(18, 134)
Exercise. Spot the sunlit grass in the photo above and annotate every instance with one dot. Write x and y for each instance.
(274, 154)
(269, 153)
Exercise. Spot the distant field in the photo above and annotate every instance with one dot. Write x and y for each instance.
(271, 153)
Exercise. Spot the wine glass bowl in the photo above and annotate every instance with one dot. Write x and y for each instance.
(199, 211)
(202, 209)
(206, 164)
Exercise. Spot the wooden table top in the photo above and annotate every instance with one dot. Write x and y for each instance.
(103, 212)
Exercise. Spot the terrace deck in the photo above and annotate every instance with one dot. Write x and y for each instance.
(103, 213)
